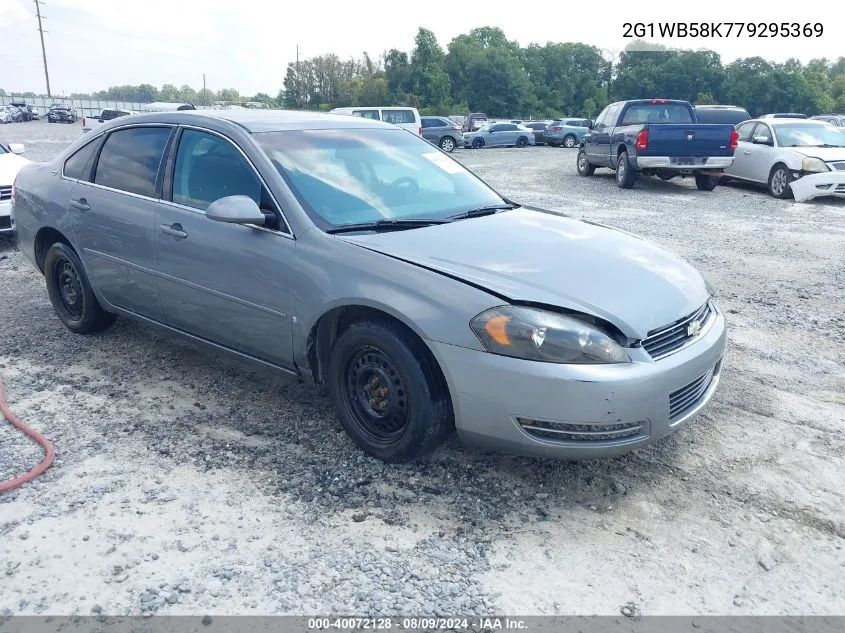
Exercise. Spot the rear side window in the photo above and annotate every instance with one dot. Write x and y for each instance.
(426, 122)
(78, 166)
(209, 168)
(656, 113)
(745, 131)
(130, 160)
(367, 114)
(398, 116)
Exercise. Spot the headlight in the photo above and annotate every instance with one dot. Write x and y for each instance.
(813, 164)
(540, 335)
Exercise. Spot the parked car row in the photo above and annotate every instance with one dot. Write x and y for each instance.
(11, 163)
(18, 113)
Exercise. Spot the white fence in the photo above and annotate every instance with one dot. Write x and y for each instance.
(84, 107)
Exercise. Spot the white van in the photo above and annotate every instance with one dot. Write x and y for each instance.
(408, 118)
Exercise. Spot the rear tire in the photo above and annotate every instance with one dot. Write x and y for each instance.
(779, 181)
(585, 167)
(569, 141)
(390, 395)
(71, 294)
(706, 183)
(625, 176)
(521, 141)
(477, 143)
(447, 144)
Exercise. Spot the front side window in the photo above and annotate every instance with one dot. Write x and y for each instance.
(79, 163)
(208, 168)
(349, 176)
(398, 116)
(130, 160)
(367, 114)
(808, 135)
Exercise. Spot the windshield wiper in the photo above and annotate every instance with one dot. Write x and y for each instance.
(825, 145)
(386, 224)
(489, 210)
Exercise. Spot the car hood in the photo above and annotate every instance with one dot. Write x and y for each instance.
(530, 256)
(827, 154)
(10, 165)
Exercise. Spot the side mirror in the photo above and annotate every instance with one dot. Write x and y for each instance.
(590, 125)
(17, 148)
(762, 140)
(236, 210)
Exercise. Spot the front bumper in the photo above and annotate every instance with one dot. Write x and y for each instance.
(580, 411)
(827, 183)
(666, 162)
(5, 217)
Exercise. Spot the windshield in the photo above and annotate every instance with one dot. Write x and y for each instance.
(808, 135)
(352, 176)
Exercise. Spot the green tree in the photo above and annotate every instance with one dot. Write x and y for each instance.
(428, 77)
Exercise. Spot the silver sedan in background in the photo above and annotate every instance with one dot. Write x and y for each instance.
(500, 135)
(346, 251)
(797, 158)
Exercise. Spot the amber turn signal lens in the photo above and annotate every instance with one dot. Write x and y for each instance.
(497, 329)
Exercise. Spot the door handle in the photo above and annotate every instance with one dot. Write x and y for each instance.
(80, 203)
(174, 230)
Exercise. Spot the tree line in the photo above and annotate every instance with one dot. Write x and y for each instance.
(483, 71)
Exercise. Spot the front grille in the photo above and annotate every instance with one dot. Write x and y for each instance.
(839, 165)
(689, 396)
(6, 193)
(583, 433)
(665, 340)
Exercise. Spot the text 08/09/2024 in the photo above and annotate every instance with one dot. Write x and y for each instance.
(722, 29)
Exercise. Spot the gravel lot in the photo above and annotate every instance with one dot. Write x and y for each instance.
(188, 484)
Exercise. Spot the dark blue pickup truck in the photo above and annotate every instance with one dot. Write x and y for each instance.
(657, 137)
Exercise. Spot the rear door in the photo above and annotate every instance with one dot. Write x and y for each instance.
(598, 146)
(431, 127)
(225, 283)
(741, 167)
(113, 207)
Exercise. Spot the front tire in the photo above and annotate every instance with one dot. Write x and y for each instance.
(779, 181)
(477, 143)
(625, 175)
(447, 144)
(569, 141)
(585, 167)
(390, 395)
(706, 183)
(71, 294)
(521, 141)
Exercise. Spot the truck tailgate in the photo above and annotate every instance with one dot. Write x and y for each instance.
(688, 139)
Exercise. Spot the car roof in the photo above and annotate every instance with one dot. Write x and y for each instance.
(787, 121)
(256, 120)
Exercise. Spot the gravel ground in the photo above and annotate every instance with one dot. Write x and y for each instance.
(188, 484)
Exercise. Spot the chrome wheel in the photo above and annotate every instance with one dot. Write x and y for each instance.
(779, 182)
(569, 142)
(447, 144)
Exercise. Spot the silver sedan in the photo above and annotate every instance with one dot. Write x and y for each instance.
(499, 135)
(349, 252)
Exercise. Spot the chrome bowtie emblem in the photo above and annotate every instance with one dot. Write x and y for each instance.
(689, 137)
(694, 328)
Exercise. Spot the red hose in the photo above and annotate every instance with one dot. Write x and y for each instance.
(49, 450)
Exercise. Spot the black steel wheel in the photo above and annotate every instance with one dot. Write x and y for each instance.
(70, 292)
(389, 392)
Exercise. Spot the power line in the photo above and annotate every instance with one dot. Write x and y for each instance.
(38, 4)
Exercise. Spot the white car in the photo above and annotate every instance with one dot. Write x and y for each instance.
(10, 165)
(798, 157)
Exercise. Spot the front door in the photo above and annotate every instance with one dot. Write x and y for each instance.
(226, 283)
(113, 207)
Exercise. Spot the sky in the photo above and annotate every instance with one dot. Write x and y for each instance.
(94, 44)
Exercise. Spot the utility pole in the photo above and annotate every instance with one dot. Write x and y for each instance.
(38, 4)
(203, 83)
(297, 58)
